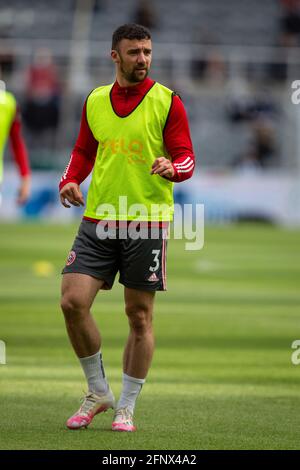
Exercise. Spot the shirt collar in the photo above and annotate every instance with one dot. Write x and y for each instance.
(138, 89)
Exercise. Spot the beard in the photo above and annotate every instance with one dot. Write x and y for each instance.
(135, 75)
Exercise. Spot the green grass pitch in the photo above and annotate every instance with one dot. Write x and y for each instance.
(221, 377)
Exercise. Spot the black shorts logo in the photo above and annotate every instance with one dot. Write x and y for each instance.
(71, 258)
(153, 278)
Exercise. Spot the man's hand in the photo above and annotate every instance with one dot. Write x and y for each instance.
(24, 191)
(71, 192)
(163, 167)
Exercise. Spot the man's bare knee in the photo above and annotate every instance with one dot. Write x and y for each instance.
(140, 319)
(72, 306)
(78, 293)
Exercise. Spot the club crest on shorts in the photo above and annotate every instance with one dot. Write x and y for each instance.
(71, 258)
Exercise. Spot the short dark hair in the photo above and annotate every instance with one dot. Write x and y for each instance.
(129, 31)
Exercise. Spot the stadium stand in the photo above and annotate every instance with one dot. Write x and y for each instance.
(204, 50)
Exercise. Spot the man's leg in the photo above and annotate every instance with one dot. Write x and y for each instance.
(137, 354)
(78, 294)
(140, 345)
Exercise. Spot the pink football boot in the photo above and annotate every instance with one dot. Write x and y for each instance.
(92, 405)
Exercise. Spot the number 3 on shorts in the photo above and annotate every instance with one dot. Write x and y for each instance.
(156, 254)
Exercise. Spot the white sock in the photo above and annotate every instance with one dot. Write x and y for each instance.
(131, 390)
(94, 373)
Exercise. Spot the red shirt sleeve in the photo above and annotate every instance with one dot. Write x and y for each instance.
(83, 155)
(178, 141)
(18, 146)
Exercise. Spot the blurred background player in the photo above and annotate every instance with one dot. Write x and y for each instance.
(42, 102)
(10, 127)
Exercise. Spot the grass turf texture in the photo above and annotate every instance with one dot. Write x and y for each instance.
(222, 376)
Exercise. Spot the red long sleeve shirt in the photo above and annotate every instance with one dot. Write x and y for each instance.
(176, 136)
(18, 146)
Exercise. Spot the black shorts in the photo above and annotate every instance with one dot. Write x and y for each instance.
(141, 262)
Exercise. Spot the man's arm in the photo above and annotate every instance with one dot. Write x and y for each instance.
(178, 143)
(80, 165)
(20, 154)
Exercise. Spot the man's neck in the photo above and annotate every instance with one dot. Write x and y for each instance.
(137, 87)
(123, 83)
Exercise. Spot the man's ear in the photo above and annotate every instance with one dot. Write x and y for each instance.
(115, 56)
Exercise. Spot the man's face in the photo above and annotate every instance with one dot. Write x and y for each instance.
(133, 59)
